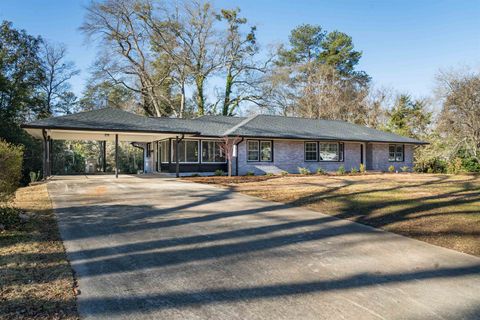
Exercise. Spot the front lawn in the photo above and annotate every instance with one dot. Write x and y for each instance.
(36, 280)
(440, 209)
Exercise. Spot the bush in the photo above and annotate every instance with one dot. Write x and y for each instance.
(11, 158)
(9, 217)
(284, 173)
(195, 175)
(362, 168)
(34, 176)
(405, 169)
(320, 171)
(431, 165)
(455, 166)
(269, 174)
(303, 170)
(219, 172)
(353, 170)
(250, 173)
(341, 170)
(391, 169)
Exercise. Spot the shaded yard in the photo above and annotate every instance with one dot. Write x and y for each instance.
(36, 280)
(440, 209)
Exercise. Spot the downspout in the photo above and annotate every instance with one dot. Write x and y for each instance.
(236, 158)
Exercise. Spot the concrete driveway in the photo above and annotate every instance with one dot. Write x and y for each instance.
(159, 248)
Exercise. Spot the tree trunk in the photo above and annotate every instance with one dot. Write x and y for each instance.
(228, 91)
(182, 100)
(199, 80)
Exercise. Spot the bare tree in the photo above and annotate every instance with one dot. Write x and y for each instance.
(55, 86)
(198, 39)
(243, 72)
(227, 145)
(127, 51)
(460, 115)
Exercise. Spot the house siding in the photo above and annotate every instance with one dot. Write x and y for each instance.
(288, 155)
(377, 157)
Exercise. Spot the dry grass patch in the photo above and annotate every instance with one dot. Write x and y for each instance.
(440, 209)
(36, 279)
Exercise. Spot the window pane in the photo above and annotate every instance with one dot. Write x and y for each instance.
(212, 152)
(399, 153)
(219, 153)
(329, 151)
(266, 151)
(208, 151)
(311, 151)
(252, 151)
(166, 151)
(191, 151)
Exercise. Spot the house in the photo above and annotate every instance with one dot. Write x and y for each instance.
(264, 143)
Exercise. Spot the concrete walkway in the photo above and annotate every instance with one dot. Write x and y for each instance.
(159, 248)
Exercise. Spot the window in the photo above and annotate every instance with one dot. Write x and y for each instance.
(212, 152)
(311, 152)
(259, 150)
(252, 150)
(396, 152)
(266, 151)
(163, 151)
(329, 152)
(187, 151)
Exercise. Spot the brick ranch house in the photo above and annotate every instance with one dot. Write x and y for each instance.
(263, 143)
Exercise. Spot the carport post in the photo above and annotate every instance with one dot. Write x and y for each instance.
(116, 156)
(177, 165)
(45, 154)
(104, 156)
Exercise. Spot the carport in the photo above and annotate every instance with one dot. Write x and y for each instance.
(106, 125)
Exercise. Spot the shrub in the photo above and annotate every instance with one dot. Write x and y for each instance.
(320, 171)
(284, 173)
(219, 172)
(303, 170)
(269, 174)
(431, 165)
(9, 217)
(455, 166)
(341, 170)
(405, 169)
(34, 176)
(250, 173)
(391, 169)
(362, 168)
(11, 158)
(353, 170)
(195, 175)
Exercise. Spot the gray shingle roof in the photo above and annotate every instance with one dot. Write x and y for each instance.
(303, 128)
(265, 126)
(110, 119)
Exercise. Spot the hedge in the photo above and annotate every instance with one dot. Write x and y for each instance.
(11, 158)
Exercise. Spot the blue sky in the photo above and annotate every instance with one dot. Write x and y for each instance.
(404, 43)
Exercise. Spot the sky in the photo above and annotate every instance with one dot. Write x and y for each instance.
(404, 43)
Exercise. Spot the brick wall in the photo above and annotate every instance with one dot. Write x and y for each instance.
(377, 157)
(288, 155)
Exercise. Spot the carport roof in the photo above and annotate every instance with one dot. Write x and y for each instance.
(260, 126)
(110, 119)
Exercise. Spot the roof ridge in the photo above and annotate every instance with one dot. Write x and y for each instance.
(242, 123)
